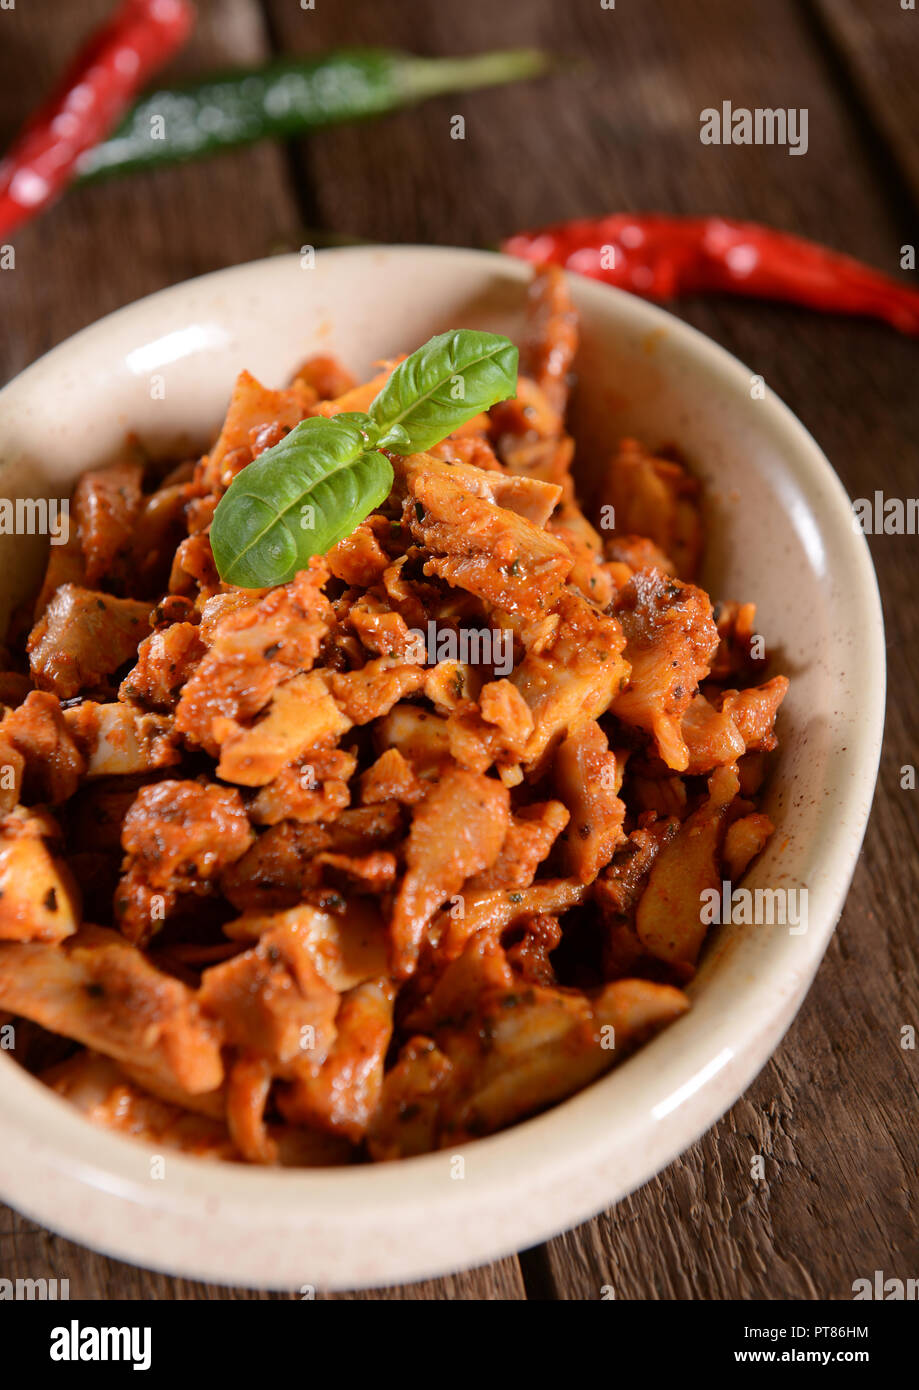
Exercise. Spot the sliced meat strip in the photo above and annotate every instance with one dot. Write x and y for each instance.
(165, 661)
(38, 896)
(53, 761)
(252, 408)
(743, 841)
(254, 646)
(407, 1117)
(656, 498)
(108, 1097)
(344, 1094)
(371, 692)
(573, 677)
(669, 920)
(391, 777)
(588, 778)
(82, 639)
(118, 741)
(486, 549)
(101, 991)
(272, 1001)
(531, 833)
(177, 837)
(313, 789)
(457, 831)
(710, 735)
(346, 947)
(671, 642)
(301, 714)
(494, 910)
(551, 339)
(248, 1089)
(106, 504)
(754, 711)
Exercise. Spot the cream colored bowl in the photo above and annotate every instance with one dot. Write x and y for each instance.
(780, 533)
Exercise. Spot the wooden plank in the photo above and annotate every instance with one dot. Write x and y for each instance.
(618, 131)
(28, 1251)
(831, 1113)
(878, 48)
(501, 1281)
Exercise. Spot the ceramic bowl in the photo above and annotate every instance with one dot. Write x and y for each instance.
(780, 533)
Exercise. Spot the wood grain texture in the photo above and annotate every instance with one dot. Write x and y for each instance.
(29, 1251)
(833, 1112)
(877, 45)
(110, 243)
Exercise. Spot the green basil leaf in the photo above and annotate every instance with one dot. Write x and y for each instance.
(442, 385)
(298, 499)
(397, 440)
(308, 492)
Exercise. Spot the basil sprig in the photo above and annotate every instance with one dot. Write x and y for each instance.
(444, 384)
(308, 492)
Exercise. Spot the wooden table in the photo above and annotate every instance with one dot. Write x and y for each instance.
(834, 1112)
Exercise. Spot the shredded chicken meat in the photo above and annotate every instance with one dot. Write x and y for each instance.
(299, 884)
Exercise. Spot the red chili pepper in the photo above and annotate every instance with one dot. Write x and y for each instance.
(95, 90)
(662, 257)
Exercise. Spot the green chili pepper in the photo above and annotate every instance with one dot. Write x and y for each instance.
(289, 98)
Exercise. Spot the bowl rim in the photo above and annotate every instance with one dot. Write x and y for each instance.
(85, 1170)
